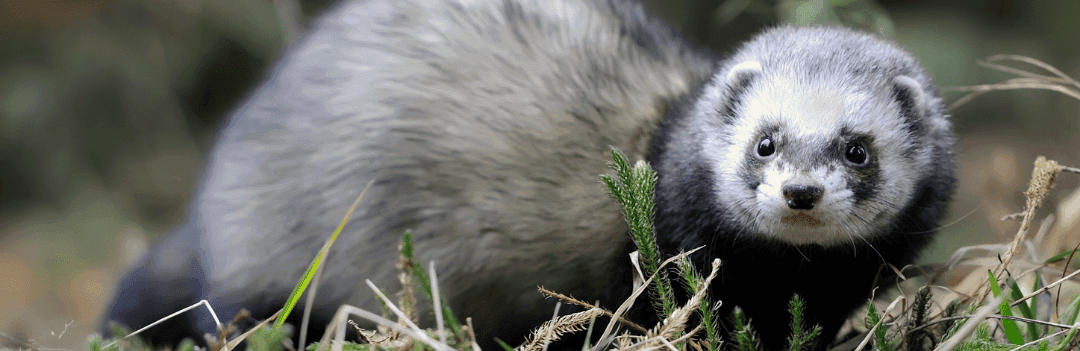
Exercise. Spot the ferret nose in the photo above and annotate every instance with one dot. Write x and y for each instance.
(801, 196)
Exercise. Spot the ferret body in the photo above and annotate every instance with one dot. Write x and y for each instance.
(485, 125)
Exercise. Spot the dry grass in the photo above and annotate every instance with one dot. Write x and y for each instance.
(965, 280)
(668, 333)
(1056, 81)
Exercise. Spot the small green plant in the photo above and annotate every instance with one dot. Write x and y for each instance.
(948, 325)
(880, 332)
(695, 282)
(421, 277)
(267, 339)
(917, 339)
(746, 339)
(801, 339)
(633, 188)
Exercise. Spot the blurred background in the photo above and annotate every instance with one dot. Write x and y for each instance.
(106, 108)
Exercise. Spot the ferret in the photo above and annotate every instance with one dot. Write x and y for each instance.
(811, 158)
(805, 161)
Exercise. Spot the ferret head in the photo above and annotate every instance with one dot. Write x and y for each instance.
(819, 135)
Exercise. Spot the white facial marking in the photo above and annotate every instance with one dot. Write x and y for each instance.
(804, 110)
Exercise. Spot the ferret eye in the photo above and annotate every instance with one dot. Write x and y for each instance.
(765, 147)
(855, 153)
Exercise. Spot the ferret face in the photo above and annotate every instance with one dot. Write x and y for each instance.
(813, 159)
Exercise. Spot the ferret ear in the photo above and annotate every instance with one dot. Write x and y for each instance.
(738, 78)
(912, 99)
(741, 74)
(909, 94)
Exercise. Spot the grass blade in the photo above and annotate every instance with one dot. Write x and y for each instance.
(310, 273)
(1008, 326)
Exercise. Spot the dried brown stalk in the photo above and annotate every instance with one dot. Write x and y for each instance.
(1043, 177)
(571, 300)
(552, 330)
(676, 322)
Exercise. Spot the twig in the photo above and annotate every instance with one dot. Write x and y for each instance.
(1043, 289)
(1035, 62)
(197, 304)
(438, 302)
